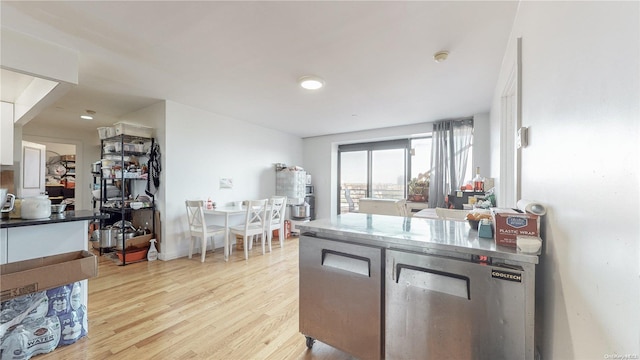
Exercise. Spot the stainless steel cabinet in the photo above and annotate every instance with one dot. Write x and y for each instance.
(341, 295)
(447, 308)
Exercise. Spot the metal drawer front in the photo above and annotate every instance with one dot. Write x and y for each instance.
(346, 262)
(444, 308)
(432, 280)
(341, 295)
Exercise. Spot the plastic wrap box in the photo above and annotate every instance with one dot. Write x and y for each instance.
(509, 224)
(123, 128)
(29, 276)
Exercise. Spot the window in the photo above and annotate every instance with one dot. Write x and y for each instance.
(381, 170)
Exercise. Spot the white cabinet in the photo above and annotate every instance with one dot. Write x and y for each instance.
(3, 246)
(28, 242)
(6, 133)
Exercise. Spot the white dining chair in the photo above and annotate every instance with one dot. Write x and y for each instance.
(278, 205)
(256, 220)
(198, 227)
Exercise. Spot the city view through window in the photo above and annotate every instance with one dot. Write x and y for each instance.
(382, 172)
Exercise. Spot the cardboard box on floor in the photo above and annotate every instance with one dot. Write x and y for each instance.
(140, 218)
(28, 276)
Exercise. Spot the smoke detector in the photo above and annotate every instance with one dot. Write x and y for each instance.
(440, 56)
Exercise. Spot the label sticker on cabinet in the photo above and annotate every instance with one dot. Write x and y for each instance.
(504, 275)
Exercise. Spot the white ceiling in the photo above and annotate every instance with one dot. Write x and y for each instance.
(242, 59)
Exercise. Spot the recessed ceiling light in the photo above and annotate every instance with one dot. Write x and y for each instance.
(89, 115)
(311, 82)
(440, 56)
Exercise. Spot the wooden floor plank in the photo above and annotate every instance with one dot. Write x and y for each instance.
(185, 309)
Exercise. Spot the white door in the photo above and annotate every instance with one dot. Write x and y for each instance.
(32, 169)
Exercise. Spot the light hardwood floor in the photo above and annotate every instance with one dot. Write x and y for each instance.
(185, 309)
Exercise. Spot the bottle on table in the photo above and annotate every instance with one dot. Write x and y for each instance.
(478, 181)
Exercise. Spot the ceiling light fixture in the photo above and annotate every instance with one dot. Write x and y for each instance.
(311, 82)
(440, 56)
(89, 115)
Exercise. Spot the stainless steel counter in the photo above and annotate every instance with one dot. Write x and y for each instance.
(415, 234)
(390, 287)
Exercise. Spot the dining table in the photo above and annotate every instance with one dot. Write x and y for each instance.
(226, 211)
(426, 214)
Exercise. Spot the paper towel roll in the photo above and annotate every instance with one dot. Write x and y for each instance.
(531, 207)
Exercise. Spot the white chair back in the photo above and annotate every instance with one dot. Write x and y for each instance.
(198, 227)
(195, 216)
(256, 215)
(277, 204)
(451, 214)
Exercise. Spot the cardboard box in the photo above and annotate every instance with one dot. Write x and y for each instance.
(287, 231)
(28, 276)
(135, 242)
(509, 224)
(133, 129)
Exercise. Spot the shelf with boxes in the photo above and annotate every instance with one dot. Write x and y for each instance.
(120, 180)
(61, 180)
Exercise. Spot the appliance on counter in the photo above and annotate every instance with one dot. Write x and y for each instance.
(311, 200)
(306, 210)
(458, 198)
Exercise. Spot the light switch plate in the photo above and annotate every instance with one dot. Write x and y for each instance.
(522, 138)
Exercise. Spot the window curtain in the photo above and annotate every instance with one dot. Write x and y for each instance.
(451, 140)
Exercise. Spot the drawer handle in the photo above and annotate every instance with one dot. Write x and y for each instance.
(347, 262)
(435, 280)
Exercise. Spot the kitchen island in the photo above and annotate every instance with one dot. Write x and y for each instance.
(393, 287)
(45, 261)
(22, 239)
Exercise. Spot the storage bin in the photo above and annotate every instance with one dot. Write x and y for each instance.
(123, 128)
(103, 132)
(133, 254)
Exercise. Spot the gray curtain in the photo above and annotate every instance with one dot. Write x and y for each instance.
(451, 140)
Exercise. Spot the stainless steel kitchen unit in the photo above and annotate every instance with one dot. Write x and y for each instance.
(341, 296)
(446, 308)
(444, 293)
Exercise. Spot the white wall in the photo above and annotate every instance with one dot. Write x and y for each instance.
(580, 100)
(202, 147)
(321, 156)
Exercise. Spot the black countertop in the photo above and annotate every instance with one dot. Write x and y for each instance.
(66, 216)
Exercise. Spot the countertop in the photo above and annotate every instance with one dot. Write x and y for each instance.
(411, 233)
(66, 216)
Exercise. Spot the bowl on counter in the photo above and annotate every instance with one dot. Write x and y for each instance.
(58, 209)
(135, 205)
